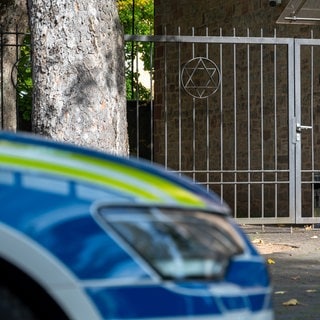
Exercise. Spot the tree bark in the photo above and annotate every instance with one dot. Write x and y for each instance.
(13, 18)
(78, 73)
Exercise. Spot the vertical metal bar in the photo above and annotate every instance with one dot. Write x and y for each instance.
(180, 107)
(262, 126)
(132, 48)
(194, 139)
(193, 45)
(137, 102)
(165, 103)
(207, 44)
(294, 150)
(311, 120)
(297, 66)
(151, 102)
(193, 123)
(248, 127)
(275, 127)
(221, 123)
(208, 126)
(235, 123)
(17, 75)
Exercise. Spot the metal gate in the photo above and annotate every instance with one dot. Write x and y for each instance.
(240, 116)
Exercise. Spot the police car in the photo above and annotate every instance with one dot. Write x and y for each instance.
(89, 236)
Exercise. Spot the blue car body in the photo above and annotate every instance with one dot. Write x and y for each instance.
(91, 229)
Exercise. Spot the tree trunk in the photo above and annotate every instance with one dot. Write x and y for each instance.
(78, 73)
(13, 18)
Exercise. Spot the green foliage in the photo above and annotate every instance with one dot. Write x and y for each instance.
(24, 84)
(137, 20)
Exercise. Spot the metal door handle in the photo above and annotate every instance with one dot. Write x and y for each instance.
(301, 127)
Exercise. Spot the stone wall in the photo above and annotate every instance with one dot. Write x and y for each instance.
(255, 15)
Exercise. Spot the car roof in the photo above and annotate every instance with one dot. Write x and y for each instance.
(144, 182)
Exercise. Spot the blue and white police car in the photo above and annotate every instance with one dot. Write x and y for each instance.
(89, 236)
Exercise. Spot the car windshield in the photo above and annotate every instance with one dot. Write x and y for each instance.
(177, 243)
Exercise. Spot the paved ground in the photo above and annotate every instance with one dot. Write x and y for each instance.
(293, 256)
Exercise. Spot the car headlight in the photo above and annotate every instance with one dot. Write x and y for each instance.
(177, 243)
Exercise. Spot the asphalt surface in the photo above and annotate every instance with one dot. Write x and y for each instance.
(293, 257)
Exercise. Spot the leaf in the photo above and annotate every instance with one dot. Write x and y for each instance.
(311, 290)
(258, 241)
(280, 292)
(270, 261)
(291, 302)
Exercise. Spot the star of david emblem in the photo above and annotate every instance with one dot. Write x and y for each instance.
(200, 77)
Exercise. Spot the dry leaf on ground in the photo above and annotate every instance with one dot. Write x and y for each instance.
(280, 292)
(291, 302)
(257, 241)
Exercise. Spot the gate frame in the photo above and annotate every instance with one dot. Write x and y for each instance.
(293, 149)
